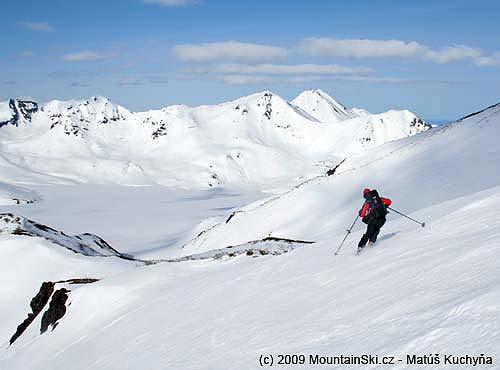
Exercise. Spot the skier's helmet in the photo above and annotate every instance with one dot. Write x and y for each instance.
(366, 193)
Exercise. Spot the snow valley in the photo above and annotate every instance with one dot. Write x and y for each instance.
(203, 237)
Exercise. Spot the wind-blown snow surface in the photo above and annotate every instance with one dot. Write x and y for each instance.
(256, 139)
(418, 291)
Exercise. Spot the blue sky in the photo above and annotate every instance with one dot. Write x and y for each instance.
(440, 59)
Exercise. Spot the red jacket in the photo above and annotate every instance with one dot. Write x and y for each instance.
(366, 206)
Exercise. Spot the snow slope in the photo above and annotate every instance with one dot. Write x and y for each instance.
(435, 296)
(31, 254)
(322, 106)
(418, 291)
(440, 165)
(11, 194)
(257, 139)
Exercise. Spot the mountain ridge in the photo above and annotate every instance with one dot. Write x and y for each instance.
(256, 139)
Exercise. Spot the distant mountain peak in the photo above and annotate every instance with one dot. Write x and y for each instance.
(322, 106)
(16, 111)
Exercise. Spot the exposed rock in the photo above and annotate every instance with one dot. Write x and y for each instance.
(56, 311)
(478, 112)
(79, 281)
(37, 304)
(21, 110)
(86, 244)
(275, 239)
(269, 245)
(160, 131)
(267, 101)
(332, 171)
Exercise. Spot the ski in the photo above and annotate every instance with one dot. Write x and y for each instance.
(359, 250)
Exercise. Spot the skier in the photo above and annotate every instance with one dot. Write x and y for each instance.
(373, 214)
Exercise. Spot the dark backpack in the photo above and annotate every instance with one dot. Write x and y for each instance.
(378, 209)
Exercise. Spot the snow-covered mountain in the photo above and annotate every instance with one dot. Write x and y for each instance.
(323, 107)
(237, 295)
(260, 138)
(15, 111)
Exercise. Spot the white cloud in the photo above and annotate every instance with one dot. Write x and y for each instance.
(79, 84)
(26, 53)
(87, 55)
(326, 47)
(171, 2)
(241, 74)
(282, 69)
(236, 79)
(366, 48)
(366, 79)
(373, 79)
(360, 48)
(36, 26)
(130, 81)
(488, 61)
(243, 79)
(228, 50)
(452, 53)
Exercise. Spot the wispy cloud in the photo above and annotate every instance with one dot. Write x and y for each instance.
(237, 79)
(228, 50)
(241, 74)
(366, 48)
(373, 79)
(26, 53)
(87, 55)
(157, 79)
(36, 26)
(244, 79)
(452, 53)
(79, 84)
(359, 48)
(130, 81)
(172, 2)
(282, 69)
(489, 61)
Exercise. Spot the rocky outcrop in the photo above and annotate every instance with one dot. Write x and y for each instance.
(57, 307)
(86, 244)
(269, 245)
(37, 304)
(21, 110)
(56, 311)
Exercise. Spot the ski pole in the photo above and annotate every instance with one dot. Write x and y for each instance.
(408, 217)
(346, 235)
